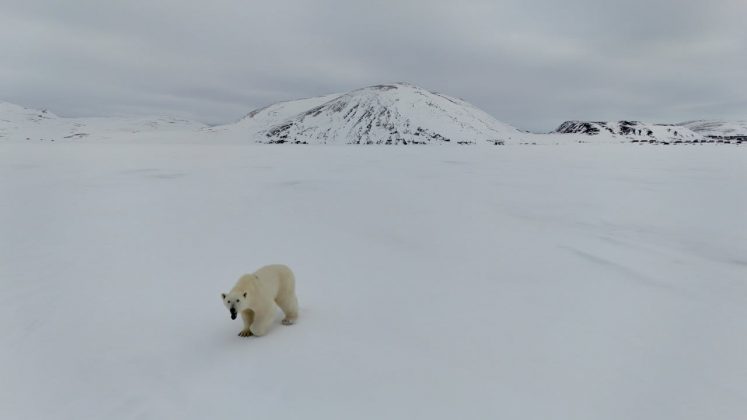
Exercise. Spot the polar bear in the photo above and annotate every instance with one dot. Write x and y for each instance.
(254, 297)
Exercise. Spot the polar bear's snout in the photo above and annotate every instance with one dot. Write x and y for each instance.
(235, 303)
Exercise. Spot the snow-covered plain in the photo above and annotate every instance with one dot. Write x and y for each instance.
(564, 282)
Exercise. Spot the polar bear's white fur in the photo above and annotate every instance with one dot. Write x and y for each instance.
(254, 297)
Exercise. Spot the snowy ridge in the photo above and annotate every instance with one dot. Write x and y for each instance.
(16, 121)
(19, 123)
(14, 113)
(397, 113)
(634, 131)
(715, 129)
(261, 119)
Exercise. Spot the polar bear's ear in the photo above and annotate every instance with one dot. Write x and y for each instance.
(244, 294)
(223, 295)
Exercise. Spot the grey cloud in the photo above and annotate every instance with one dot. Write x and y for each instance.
(532, 64)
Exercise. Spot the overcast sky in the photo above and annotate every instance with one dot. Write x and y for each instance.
(532, 64)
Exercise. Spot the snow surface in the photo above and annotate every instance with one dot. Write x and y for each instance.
(571, 282)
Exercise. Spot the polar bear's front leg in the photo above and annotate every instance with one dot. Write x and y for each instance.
(262, 320)
(248, 318)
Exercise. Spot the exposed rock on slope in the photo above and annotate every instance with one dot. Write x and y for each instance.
(634, 131)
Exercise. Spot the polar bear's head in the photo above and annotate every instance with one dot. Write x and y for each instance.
(235, 302)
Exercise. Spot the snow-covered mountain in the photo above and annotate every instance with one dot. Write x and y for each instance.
(722, 130)
(396, 113)
(634, 131)
(19, 123)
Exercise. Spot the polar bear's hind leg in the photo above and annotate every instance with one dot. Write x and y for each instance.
(289, 305)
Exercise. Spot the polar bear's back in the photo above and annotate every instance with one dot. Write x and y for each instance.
(280, 275)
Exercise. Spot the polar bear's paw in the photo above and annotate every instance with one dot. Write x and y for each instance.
(287, 321)
(246, 333)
